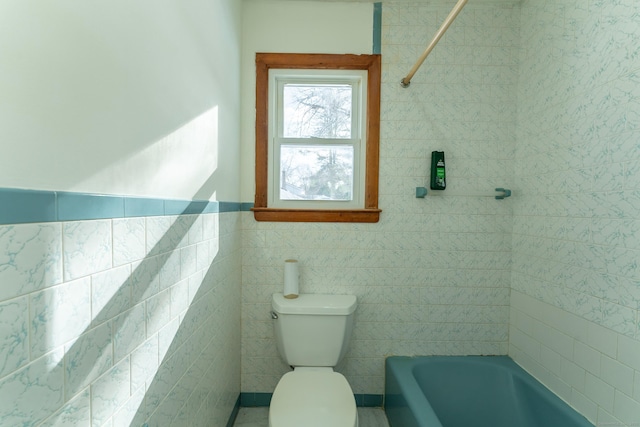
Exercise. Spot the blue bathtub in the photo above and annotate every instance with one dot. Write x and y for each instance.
(470, 391)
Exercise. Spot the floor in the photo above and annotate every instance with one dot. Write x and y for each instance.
(259, 417)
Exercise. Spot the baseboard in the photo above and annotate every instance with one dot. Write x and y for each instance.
(250, 400)
(234, 413)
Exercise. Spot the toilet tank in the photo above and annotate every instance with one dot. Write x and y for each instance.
(313, 329)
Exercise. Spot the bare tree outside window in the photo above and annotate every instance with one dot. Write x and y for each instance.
(317, 172)
(317, 111)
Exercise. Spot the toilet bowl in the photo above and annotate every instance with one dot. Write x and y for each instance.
(308, 397)
(312, 334)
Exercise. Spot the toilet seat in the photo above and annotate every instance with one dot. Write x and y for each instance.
(313, 398)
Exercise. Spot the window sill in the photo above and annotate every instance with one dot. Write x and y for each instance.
(309, 215)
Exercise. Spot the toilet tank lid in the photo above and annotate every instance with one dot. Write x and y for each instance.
(335, 305)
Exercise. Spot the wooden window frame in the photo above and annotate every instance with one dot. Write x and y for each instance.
(372, 64)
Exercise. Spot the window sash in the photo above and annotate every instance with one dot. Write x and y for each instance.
(357, 80)
(357, 195)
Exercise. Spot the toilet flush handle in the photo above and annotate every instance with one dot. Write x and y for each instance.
(274, 316)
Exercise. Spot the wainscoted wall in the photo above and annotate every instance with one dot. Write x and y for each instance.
(123, 308)
(432, 277)
(576, 240)
(120, 321)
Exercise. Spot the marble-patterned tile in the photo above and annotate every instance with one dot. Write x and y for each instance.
(144, 363)
(14, 335)
(76, 412)
(129, 242)
(158, 311)
(30, 258)
(87, 358)
(110, 293)
(128, 331)
(179, 297)
(156, 235)
(170, 269)
(145, 278)
(59, 314)
(110, 392)
(41, 381)
(196, 231)
(133, 411)
(188, 261)
(87, 248)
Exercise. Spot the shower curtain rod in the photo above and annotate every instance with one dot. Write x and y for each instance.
(447, 22)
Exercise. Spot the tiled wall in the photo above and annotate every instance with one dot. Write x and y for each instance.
(576, 233)
(432, 277)
(118, 322)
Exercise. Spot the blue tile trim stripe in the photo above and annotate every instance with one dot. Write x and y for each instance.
(18, 206)
(377, 28)
(251, 400)
(140, 206)
(79, 206)
(245, 207)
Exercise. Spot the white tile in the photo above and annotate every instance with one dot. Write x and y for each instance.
(600, 392)
(129, 242)
(602, 339)
(14, 335)
(170, 269)
(76, 412)
(59, 314)
(110, 293)
(573, 375)
(617, 375)
(30, 258)
(158, 311)
(132, 412)
(188, 261)
(626, 409)
(145, 279)
(87, 248)
(584, 405)
(179, 297)
(144, 363)
(87, 358)
(110, 392)
(629, 352)
(41, 381)
(128, 331)
(587, 358)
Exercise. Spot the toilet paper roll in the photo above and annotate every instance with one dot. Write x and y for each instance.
(291, 278)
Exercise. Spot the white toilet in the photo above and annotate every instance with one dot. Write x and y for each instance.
(312, 333)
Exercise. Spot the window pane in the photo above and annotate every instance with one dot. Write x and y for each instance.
(320, 111)
(316, 172)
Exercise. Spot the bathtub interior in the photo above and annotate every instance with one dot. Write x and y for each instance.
(465, 394)
(479, 391)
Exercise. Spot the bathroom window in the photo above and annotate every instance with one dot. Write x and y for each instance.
(317, 133)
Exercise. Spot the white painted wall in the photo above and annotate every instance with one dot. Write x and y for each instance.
(293, 27)
(118, 97)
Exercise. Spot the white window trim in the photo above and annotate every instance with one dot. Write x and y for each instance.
(357, 78)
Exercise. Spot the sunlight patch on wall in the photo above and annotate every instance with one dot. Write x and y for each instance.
(174, 166)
